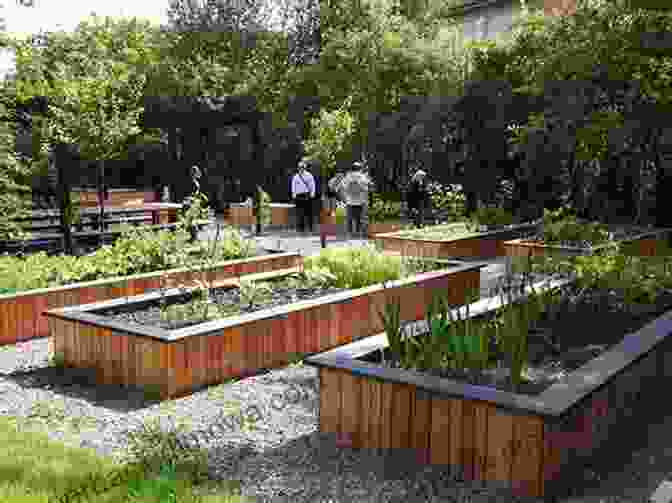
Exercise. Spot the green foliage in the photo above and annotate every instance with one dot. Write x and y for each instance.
(315, 277)
(491, 216)
(447, 199)
(94, 79)
(382, 211)
(138, 251)
(356, 267)
(253, 292)
(14, 176)
(391, 319)
(560, 226)
(263, 207)
(330, 134)
(154, 448)
(35, 469)
(442, 232)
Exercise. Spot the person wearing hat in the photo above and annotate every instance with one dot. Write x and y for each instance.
(354, 187)
(418, 197)
(303, 192)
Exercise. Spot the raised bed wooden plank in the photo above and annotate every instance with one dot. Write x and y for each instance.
(303, 328)
(372, 419)
(21, 315)
(330, 390)
(421, 426)
(527, 455)
(351, 409)
(488, 244)
(647, 244)
(498, 447)
(439, 435)
(536, 446)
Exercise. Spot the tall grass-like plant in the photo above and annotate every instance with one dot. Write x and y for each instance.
(356, 267)
(391, 319)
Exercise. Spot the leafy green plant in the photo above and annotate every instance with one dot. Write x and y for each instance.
(154, 449)
(356, 267)
(382, 211)
(262, 207)
(254, 292)
(314, 277)
(561, 226)
(448, 200)
(491, 216)
(340, 215)
(390, 316)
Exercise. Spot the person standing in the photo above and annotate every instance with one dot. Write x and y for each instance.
(303, 192)
(354, 187)
(418, 197)
(330, 199)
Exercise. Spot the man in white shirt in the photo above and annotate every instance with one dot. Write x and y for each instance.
(303, 192)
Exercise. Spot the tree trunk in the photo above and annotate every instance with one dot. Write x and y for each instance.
(102, 192)
(65, 202)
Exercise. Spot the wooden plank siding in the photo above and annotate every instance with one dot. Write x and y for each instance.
(21, 314)
(648, 245)
(243, 349)
(475, 439)
(529, 453)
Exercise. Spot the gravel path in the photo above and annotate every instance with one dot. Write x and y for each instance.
(263, 432)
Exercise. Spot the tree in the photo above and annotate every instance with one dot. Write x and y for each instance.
(582, 69)
(93, 80)
(331, 133)
(15, 173)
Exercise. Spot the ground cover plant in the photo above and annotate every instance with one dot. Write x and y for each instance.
(381, 210)
(35, 469)
(137, 251)
(562, 227)
(333, 270)
(533, 341)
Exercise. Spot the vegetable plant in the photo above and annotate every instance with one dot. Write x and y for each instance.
(491, 216)
(253, 293)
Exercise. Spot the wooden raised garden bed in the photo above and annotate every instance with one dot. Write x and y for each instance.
(647, 243)
(375, 228)
(482, 245)
(179, 362)
(116, 197)
(533, 444)
(21, 313)
(238, 214)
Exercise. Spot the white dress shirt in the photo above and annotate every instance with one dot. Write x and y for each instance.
(303, 182)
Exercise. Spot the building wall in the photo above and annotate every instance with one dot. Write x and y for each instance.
(497, 20)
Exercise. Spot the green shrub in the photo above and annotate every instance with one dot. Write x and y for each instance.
(562, 225)
(364, 266)
(447, 199)
(492, 216)
(381, 210)
(137, 251)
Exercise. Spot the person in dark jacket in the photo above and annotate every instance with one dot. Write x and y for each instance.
(418, 198)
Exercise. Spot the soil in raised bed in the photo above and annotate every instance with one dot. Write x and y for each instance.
(281, 295)
(577, 333)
